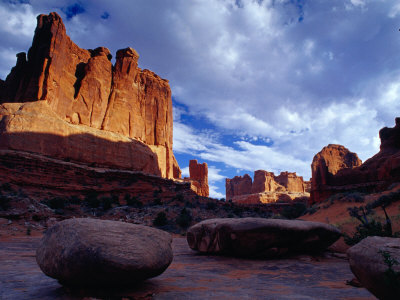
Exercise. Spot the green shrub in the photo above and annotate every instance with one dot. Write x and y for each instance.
(106, 202)
(184, 218)
(211, 205)
(157, 201)
(294, 211)
(391, 277)
(180, 198)
(160, 219)
(91, 199)
(4, 203)
(367, 226)
(56, 203)
(75, 200)
(133, 201)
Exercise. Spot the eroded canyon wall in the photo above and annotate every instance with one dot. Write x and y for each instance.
(336, 170)
(266, 187)
(82, 88)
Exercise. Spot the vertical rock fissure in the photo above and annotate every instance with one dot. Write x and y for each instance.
(109, 101)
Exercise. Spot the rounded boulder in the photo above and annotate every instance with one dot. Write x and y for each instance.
(375, 261)
(258, 237)
(91, 252)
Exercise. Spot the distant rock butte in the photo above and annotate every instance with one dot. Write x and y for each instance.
(80, 91)
(198, 178)
(336, 170)
(266, 188)
(326, 164)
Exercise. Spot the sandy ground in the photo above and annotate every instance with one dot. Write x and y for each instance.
(190, 276)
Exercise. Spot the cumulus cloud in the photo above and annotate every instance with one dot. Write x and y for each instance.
(298, 74)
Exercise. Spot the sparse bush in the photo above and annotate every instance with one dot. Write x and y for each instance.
(391, 277)
(367, 226)
(160, 219)
(184, 218)
(133, 201)
(188, 204)
(157, 201)
(91, 199)
(106, 203)
(4, 203)
(74, 200)
(6, 187)
(56, 203)
(211, 205)
(311, 210)
(294, 211)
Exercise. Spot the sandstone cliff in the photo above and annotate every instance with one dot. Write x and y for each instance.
(266, 188)
(326, 164)
(82, 88)
(198, 178)
(348, 174)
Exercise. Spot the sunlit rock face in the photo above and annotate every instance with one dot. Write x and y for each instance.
(83, 88)
(326, 164)
(266, 188)
(336, 170)
(198, 178)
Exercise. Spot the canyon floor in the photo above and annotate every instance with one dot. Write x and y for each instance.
(190, 276)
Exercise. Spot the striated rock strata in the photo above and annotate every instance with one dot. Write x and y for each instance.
(41, 177)
(82, 89)
(374, 175)
(266, 188)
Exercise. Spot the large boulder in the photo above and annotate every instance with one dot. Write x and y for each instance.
(370, 260)
(90, 252)
(258, 237)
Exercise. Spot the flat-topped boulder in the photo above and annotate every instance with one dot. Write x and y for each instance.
(258, 237)
(369, 261)
(91, 252)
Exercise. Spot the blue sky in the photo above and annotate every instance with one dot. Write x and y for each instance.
(256, 84)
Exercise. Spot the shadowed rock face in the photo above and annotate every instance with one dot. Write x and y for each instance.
(82, 87)
(367, 262)
(337, 170)
(257, 237)
(91, 252)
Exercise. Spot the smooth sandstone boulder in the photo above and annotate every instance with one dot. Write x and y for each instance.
(258, 237)
(91, 252)
(367, 262)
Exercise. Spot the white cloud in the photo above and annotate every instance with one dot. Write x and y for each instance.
(214, 174)
(394, 11)
(214, 193)
(21, 20)
(185, 172)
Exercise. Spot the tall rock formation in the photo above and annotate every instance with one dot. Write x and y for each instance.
(326, 164)
(374, 175)
(263, 182)
(266, 187)
(238, 185)
(199, 178)
(82, 88)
